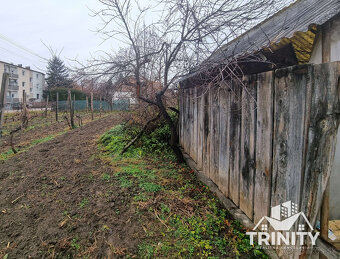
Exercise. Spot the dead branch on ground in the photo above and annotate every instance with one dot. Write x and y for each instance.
(139, 134)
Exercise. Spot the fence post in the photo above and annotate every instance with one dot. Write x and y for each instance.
(87, 104)
(3, 91)
(46, 106)
(71, 108)
(74, 102)
(56, 107)
(25, 110)
(92, 105)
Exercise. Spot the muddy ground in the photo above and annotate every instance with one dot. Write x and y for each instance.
(39, 126)
(51, 203)
(69, 197)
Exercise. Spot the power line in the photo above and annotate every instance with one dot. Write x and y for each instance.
(3, 37)
(21, 56)
(9, 57)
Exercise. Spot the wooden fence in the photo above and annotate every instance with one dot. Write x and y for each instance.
(267, 140)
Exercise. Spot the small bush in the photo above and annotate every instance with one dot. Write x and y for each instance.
(152, 142)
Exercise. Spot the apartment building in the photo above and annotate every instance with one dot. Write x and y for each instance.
(22, 80)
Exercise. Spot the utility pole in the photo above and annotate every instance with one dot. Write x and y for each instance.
(3, 91)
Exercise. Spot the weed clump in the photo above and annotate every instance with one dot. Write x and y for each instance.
(185, 220)
(153, 142)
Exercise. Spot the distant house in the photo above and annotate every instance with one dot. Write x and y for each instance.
(125, 93)
(22, 80)
(126, 90)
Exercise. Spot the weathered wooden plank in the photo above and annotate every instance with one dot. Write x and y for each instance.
(206, 133)
(291, 89)
(200, 125)
(288, 140)
(194, 125)
(235, 113)
(180, 119)
(248, 131)
(223, 172)
(322, 134)
(187, 121)
(214, 147)
(190, 120)
(264, 134)
(184, 119)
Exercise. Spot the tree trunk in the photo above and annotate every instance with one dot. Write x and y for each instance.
(174, 140)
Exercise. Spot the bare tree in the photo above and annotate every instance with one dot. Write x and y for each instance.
(164, 49)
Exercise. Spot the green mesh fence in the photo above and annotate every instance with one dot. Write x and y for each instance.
(120, 105)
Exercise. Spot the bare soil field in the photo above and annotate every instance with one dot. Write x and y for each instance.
(70, 197)
(42, 192)
(40, 129)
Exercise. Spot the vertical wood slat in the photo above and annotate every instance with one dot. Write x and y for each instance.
(183, 119)
(180, 119)
(235, 114)
(192, 129)
(187, 121)
(200, 125)
(206, 133)
(322, 134)
(247, 156)
(194, 125)
(214, 128)
(291, 88)
(288, 145)
(264, 133)
(188, 137)
(223, 182)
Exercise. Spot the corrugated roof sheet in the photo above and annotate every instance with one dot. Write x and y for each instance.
(294, 24)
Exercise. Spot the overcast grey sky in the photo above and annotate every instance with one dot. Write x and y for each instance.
(59, 23)
(62, 24)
